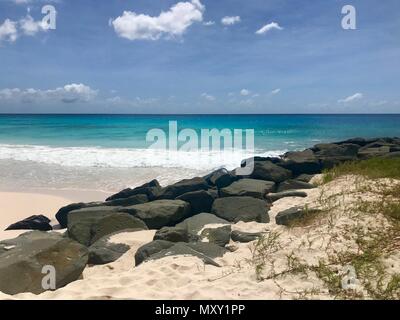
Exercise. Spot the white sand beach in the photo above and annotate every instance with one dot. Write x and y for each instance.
(282, 274)
(16, 206)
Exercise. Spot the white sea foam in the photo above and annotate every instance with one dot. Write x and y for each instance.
(127, 158)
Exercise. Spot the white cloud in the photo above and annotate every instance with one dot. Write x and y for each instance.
(228, 21)
(69, 93)
(269, 27)
(244, 92)
(11, 30)
(276, 91)
(8, 30)
(209, 23)
(30, 27)
(171, 23)
(354, 97)
(208, 97)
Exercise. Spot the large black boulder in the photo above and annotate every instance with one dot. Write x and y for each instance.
(188, 185)
(200, 201)
(248, 187)
(235, 209)
(23, 260)
(300, 162)
(62, 214)
(38, 222)
(160, 213)
(220, 178)
(150, 189)
(266, 170)
(90, 224)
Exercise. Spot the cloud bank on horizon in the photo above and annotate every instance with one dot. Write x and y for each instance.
(199, 56)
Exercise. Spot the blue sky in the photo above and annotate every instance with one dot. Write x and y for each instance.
(199, 56)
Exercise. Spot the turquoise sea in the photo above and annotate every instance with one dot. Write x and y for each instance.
(54, 150)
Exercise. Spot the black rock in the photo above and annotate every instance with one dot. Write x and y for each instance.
(172, 234)
(125, 202)
(195, 224)
(90, 224)
(145, 251)
(330, 154)
(202, 250)
(300, 162)
(200, 201)
(182, 187)
(305, 177)
(219, 236)
(248, 187)
(359, 141)
(266, 170)
(38, 222)
(22, 261)
(103, 251)
(245, 237)
(290, 215)
(62, 214)
(160, 213)
(150, 189)
(272, 197)
(294, 185)
(235, 209)
(220, 178)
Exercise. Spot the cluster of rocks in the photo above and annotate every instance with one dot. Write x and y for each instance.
(179, 212)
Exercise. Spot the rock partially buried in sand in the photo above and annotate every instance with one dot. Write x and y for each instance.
(235, 209)
(90, 224)
(205, 251)
(219, 236)
(195, 224)
(160, 213)
(294, 185)
(182, 187)
(103, 251)
(272, 197)
(22, 260)
(38, 222)
(248, 187)
(291, 215)
(245, 237)
(305, 177)
(172, 234)
(200, 201)
(145, 251)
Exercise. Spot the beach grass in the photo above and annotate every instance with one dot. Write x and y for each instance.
(374, 168)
